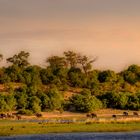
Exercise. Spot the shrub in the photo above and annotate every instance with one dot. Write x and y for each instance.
(85, 102)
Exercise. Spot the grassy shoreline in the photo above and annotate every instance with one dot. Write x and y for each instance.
(8, 128)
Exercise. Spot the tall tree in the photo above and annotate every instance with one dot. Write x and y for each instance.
(20, 59)
(71, 58)
(56, 62)
(86, 63)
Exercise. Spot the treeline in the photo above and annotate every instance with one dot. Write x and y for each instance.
(43, 89)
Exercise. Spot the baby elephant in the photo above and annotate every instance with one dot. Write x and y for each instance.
(135, 114)
(92, 115)
(114, 116)
(125, 113)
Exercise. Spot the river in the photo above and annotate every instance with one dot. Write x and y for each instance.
(79, 136)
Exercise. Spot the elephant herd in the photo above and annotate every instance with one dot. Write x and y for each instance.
(15, 116)
(10, 116)
(125, 114)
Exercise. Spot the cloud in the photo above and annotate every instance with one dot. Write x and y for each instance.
(67, 8)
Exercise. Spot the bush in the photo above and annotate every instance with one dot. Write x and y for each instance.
(55, 99)
(85, 102)
(34, 104)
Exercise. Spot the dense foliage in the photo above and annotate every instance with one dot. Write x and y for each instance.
(31, 89)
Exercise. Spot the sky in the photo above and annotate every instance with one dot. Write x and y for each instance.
(106, 29)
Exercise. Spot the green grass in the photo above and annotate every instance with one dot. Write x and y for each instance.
(20, 128)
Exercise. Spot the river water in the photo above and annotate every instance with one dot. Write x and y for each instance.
(78, 136)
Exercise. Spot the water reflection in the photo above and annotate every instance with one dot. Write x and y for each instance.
(79, 136)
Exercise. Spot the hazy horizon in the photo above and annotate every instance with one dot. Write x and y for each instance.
(107, 29)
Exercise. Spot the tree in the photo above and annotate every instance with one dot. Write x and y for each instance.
(55, 99)
(130, 77)
(133, 102)
(21, 98)
(76, 77)
(116, 100)
(14, 73)
(44, 102)
(20, 59)
(7, 102)
(60, 77)
(84, 102)
(132, 74)
(31, 76)
(11, 102)
(56, 72)
(71, 58)
(56, 62)
(47, 75)
(4, 78)
(86, 63)
(34, 104)
(107, 76)
(92, 80)
(3, 104)
(134, 69)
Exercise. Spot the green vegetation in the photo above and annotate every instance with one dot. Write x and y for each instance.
(85, 102)
(8, 128)
(30, 89)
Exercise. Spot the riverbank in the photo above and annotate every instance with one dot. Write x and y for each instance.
(8, 128)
